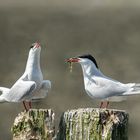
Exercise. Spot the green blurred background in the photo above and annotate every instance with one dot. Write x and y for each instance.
(108, 29)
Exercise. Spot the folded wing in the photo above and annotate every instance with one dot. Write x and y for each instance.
(43, 91)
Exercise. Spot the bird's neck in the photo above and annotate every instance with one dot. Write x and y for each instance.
(33, 62)
(90, 70)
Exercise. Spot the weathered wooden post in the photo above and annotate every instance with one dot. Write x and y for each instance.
(80, 124)
(36, 124)
(93, 124)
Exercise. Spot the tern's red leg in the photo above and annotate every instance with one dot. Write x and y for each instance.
(107, 104)
(101, 104)
(24, 104)
(104, 104)
(30, 104)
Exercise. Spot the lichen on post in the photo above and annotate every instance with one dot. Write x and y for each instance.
(36, 124)
(93, 124)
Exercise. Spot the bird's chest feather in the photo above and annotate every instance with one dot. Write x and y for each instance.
(35, 75)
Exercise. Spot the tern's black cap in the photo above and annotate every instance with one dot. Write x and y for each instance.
(90, 57)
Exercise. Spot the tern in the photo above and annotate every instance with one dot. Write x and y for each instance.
(99, 86)
(30, 86)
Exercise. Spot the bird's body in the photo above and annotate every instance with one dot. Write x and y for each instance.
(30, 86)
(99, 86)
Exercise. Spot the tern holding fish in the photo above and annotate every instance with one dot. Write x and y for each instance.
(30, 86)
(99, 86)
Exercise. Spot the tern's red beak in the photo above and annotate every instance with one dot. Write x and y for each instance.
(37, 45)
(73, 60)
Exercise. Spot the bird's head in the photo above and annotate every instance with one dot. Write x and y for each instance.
(35, 47)
(83, 59)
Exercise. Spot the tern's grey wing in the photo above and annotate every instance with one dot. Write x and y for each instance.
(21, 90)
(105, 88)
(115, 85)
(42, 93)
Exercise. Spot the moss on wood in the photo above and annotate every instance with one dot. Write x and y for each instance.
(93, 124)
(36, 124)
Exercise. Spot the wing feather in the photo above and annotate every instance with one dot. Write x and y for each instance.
(43, 91)
(21, 90)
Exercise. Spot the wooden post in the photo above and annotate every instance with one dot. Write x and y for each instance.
(93, 124)
(36, 124)
(80, 124)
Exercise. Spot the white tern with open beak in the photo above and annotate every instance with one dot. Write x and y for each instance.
(99, 86)
(30, 86)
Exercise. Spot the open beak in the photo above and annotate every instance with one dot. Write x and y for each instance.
(73, 60)
(37, 45)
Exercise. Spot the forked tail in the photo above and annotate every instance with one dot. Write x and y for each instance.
(135, 89)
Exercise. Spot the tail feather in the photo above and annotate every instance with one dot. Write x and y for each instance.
(135, 89)
(4, 92)
(2, 100)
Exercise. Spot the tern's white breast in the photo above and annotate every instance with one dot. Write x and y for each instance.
(36, 75)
